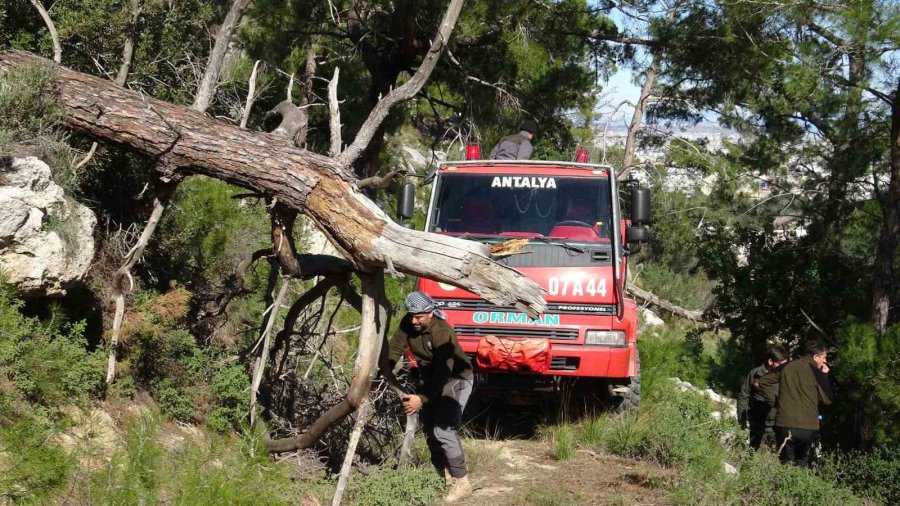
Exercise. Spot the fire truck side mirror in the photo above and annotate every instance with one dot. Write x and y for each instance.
(406, 201)
(637, 235)
(640, 206)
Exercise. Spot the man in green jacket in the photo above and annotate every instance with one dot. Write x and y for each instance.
(752, 408)
(444, 385)
(796, 390)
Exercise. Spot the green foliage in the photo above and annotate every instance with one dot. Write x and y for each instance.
(207, 231)
(871, 363)
(763, 480)
(32, 467)
(671, 355)
(49, 366)
(218, 471)
(563, 441)
(389, 487)
(874, 475)
(230, 387)
(29, 122)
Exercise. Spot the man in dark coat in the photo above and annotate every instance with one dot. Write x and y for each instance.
(796, 390)
(443, 389)
(516, 146)
(752, 408)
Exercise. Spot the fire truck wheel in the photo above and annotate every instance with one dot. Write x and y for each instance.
(627, 395)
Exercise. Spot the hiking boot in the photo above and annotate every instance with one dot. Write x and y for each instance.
(460, 489)
(448, 480)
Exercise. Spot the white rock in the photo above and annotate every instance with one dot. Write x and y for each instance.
(414, 158)
(730, 469)
(651, 319)
(46, 239)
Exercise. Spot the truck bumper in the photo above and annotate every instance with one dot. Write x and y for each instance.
(580, 360)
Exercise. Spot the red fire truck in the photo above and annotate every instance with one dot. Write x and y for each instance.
(577, 250)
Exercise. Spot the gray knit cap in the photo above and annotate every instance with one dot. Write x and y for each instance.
(420, 302)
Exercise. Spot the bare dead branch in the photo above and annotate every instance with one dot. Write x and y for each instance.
(251, 92)
(379, 182)
(54, 36)
(408, 90)
(334, 122)
(210, 80)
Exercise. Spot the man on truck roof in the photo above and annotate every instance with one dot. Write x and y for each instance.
(516, 146)
(443, 387)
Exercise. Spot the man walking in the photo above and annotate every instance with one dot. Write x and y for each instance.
(752, 408)
(443, 387)
(796, 391)
(516, 146)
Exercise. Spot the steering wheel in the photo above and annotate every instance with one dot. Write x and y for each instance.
(573, 223)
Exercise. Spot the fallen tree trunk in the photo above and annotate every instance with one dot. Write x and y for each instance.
(644, 295)
(186, 141)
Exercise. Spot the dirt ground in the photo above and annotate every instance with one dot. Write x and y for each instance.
(523, 472)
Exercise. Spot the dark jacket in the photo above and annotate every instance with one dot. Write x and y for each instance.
(796, 389)
(513, 147)
(437, 353)
(752, 399)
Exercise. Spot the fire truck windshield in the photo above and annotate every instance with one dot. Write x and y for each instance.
(572, 209)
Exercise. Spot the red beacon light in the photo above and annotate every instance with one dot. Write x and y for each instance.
(473, 152)
(581, 155)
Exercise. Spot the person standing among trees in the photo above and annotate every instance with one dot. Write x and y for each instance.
(753, 410)
(516, 146)
(443, 387)
(796, 389)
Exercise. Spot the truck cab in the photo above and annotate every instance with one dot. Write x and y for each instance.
(576, 250)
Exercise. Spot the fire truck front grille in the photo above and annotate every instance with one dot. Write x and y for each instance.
(556, 363)
(564, 363)
(554, 334)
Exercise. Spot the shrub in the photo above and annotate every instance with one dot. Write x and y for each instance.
(31, 468)
(230, 386)
(870, 365)
(875, 475)
(764, 480)
(49, 365)
(390, 487)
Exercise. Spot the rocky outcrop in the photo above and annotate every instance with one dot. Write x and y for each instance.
(46, 238)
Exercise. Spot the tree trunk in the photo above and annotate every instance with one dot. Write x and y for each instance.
(637, 117)
(882, 296)
(183, 140)
(210, 80)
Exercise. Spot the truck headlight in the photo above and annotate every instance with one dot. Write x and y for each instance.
(605, 337)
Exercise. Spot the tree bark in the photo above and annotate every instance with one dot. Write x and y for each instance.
(882, 289)
(183, 140)
(210, 80)
(637, 117)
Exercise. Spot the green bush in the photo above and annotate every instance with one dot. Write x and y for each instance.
(230, 387)
(870, 365)
(32, 468)
(50, 365)
(764, 480)
(390, 487)
(875, 475)
(672, 355)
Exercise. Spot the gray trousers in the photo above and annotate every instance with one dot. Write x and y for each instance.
(441, 420)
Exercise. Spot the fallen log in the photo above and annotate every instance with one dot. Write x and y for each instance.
(185, 141)
(645, 296)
